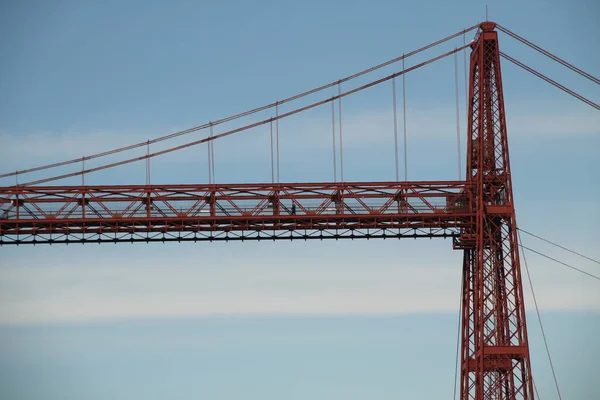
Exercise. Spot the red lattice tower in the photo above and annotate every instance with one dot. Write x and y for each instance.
(495, 351)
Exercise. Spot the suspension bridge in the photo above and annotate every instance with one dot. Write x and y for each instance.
(477, 213)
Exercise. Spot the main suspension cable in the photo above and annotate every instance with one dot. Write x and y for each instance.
(249, 126)
(559, 246)
(548, 54)
(544, 77)
(243, 114)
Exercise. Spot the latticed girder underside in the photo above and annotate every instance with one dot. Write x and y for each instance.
(223, 236)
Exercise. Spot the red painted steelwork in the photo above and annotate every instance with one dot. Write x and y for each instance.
(495, 351)
(478, 213)
(58, 214)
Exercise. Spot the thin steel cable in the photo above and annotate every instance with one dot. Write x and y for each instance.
(395, 129)
(465, 68)
(563, 263)
(249, 126)
(212, 155)
(341, 137)
(457, 113)
(537, 310)
(404, 119)
(277, 136)
(462, 288)
(333, 140)
(147, 164)
(548, 54)
(537, 395)
(559, 246)
(467, 110)
(272, 159)
(544, 77)
(245, 113)
(209, 164)
(83, 169)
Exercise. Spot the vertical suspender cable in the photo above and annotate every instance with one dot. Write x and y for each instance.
(272, 158)
(467, 110)
(466, 78)
(341, 138)
(457, 113)
(209, 158)
(82, 171)
(404, 117)
(277, 136)
(148, 163)
(333, 139)
(395, 128)
(212, 154)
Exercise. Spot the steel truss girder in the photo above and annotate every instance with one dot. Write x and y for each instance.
(67, 214)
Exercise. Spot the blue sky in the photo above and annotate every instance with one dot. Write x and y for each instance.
(298, 320)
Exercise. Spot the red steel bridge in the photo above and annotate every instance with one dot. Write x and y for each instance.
(478, 213)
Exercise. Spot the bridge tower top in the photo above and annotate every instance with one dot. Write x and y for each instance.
(487, 26)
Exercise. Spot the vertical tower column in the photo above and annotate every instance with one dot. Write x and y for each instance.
(495, 352)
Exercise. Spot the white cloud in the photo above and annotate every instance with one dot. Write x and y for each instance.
(73, 293)
(551, 122)
(58, 146)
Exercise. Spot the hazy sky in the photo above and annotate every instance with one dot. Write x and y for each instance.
(296, 320)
